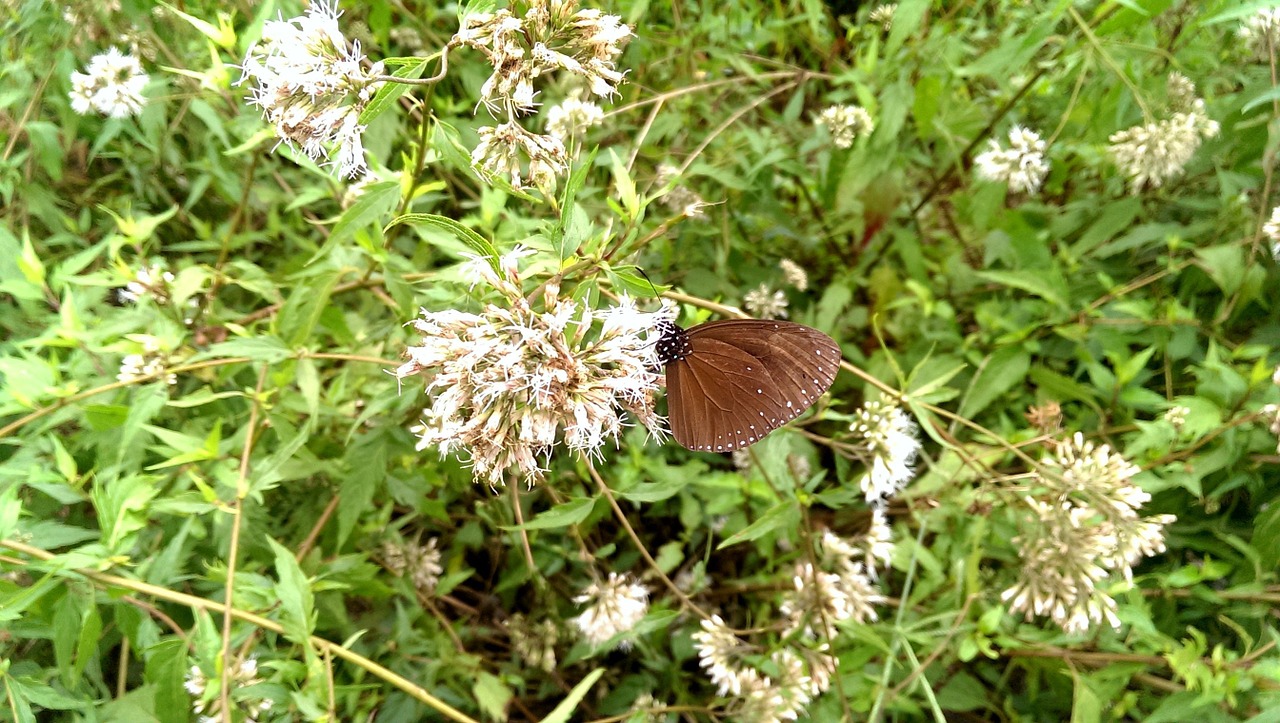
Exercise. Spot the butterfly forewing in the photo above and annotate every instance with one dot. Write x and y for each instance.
(740, 379)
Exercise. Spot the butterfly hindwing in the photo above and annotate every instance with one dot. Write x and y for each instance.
(743, 378)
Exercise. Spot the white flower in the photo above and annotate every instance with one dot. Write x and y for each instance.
(573, 117)
(882, 15)
(891, 441)
(148, 365)
(1176, 416)
(422, 562)
(112, 85)
(718, 649)
(152, 282)
(1083, 528)
(766, 303)
(1261, 32)
(1022, 165)
(845, 123)
(794, 274)
(503, 148)
(311, 85)
(1151, 154)
(613, 607)
(508, 383)
(534, 642)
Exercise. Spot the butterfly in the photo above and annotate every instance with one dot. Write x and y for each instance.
(731, 382)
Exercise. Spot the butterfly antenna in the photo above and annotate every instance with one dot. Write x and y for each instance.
(656, 294)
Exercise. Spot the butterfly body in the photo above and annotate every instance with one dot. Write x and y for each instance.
(729, 383)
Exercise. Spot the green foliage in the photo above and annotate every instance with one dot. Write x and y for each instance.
(263, 522)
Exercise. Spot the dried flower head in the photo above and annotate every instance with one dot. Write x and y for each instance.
(1045, 417)
(1151, 154)
(794, 274)
(1271, 413)
(310, 83)
(511, 382)
(1261, 32)
(112, 85)
(766, 303)
(882, 15)
(1083, 527)
(421, 562)
(614, 606)
(1022, 165)
(534, 642)
(680, 199)
(573, 117)
(892, 445)
(845, 123)
(1181, 92)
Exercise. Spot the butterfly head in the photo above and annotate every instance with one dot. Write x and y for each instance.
(673, 342)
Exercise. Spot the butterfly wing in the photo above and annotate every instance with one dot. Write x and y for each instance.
(744, 378)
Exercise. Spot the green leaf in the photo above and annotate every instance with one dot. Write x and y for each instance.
(477, 243)
(628, 279)
(297, 613)
(384, 99)
(625, 186)
(561, 713)
(1225, 265)
(10, 510)
(1004, 370)
(378, 200)
(265, 348)
(366, 470)
(304, 307)
(784, 515)
(656, 491)
(562, 515)
(492, 695)
(1049, 286)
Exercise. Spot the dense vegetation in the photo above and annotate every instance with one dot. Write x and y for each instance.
(327, 396)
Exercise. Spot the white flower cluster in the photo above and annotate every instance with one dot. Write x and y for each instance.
(148, 364)
(1084, 527)
(208, 705)
(422, 562)
(892, 444)
(1153, 153)
(311, 85)
(553, 35)
(149, 282)
(509, 381)
(845, 123)
(765, 303)
(1261, 32)
(111, 85)
(759, 698)
(1022, 165)
(614, 606)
